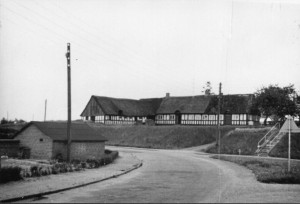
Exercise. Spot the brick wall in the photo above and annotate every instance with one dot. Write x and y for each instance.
(9, 147)
(40, 145)
(87, 150)
(60, 148)
(80, 150)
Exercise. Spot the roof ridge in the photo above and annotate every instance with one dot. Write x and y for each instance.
(115, 98)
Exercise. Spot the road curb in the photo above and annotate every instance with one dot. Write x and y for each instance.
(136, 166)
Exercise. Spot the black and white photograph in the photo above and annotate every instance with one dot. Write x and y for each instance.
(149, 101)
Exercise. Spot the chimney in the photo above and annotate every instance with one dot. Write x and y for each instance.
(167, 95)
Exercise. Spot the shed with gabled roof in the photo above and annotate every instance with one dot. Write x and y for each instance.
(48, 140)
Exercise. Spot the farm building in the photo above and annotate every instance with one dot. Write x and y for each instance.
(48, 140)
(187, 110)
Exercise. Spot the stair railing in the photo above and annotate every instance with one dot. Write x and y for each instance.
(280, 134)
(265, 139)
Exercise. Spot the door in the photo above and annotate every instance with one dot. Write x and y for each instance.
(227, 119)
(177, 117)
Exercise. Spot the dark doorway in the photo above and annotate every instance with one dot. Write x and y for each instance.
(93, 118)
(177, 117)
(227, 119)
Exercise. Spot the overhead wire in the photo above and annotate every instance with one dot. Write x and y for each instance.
(88, 41)
(64, 38)
(121, 45)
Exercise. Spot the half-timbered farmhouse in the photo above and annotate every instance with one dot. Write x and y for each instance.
(186, 110)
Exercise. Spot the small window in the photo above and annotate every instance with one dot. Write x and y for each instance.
(41, 139)
(204, 117)
(197, 117)
(211, 117)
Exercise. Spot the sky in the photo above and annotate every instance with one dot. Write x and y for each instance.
(141, 49)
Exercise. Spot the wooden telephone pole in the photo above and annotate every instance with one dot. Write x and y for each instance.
(219, 107)
(45, 110)
(68, 55)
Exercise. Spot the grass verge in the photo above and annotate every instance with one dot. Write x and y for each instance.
(15, 169)
(160, 137)
(266, 169)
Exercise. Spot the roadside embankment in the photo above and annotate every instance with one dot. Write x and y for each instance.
(160, 137)
(245, 140)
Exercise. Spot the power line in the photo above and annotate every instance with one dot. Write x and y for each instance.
(93, 44)
(113, 61)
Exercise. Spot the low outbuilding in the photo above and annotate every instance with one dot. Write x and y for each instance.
(48, 140)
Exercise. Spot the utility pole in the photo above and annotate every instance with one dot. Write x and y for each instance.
(289, 150)
(45, 110)
(219, 107)
(68, 55)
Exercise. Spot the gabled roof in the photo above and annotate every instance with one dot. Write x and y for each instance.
(188, 104)
(58, 131)
(129, 107)
(232, 104)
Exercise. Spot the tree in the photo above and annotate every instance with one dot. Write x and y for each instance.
(3, 121)
(276, 101)
(207, 89)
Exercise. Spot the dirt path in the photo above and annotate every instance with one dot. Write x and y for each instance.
(200, 148)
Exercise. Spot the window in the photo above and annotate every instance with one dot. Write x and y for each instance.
(191, 117)
(221, 117)
(212, 117)
(243, 117)
(235, 117)
(204, 117)
(41, 140)
(172, 117)
(197, 117)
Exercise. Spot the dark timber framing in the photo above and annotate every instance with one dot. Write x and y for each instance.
(199, 110)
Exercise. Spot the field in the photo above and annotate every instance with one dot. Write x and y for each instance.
(160, 137)
(268, 170)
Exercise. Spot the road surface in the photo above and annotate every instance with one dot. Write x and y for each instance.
(179, 176)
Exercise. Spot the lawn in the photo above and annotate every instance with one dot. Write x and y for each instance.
(246, 139)
(267, 169)
(160, 137)
(243, 139)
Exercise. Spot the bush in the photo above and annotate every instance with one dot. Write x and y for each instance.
(10, 174)
(108, 158)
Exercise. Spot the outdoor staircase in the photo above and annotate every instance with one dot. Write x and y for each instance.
(269, 141)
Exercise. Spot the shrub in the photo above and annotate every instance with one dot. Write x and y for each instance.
(10, 174)
(108, 158)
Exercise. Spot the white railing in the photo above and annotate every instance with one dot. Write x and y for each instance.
(271, 134)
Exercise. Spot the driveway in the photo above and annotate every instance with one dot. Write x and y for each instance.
(179, 176)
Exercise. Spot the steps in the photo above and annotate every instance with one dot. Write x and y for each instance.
(269, 141)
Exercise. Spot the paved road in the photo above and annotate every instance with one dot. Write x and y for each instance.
(179, 176)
